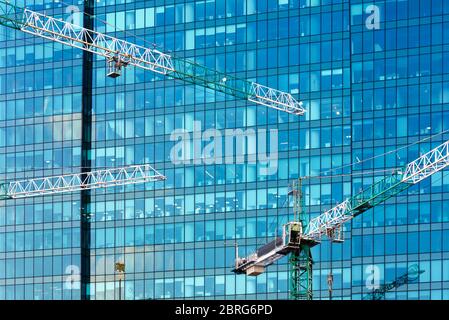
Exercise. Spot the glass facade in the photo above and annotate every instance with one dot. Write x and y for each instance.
(373, 76)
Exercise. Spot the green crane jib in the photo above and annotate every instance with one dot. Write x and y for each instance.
(120, 53)
(298, 237)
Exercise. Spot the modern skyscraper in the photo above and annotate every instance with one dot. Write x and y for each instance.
(373, 76)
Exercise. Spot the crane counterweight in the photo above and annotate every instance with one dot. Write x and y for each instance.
(291, 240)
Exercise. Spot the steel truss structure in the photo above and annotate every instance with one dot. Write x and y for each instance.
(80, 181)
(330, 223)
(429, 163)
(11, 16)
(301, 274)
(57, 30)
(426, 165)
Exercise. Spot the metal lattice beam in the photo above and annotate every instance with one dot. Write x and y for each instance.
(150, 59)
(328, 220)
(106, 46)
(435, 160)
(431, 162)
(80, 181)
(11, 16)
(301, 274)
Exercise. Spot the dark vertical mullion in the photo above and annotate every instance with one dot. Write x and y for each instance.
(86, 145)
(351, 148)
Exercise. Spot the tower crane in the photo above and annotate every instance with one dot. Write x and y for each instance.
(80, 181)
(410, 276)
(300, 235)
(120, 53)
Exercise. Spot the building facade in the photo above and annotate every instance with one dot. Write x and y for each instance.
(373, 76)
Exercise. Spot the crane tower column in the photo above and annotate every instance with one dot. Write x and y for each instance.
(300, 260)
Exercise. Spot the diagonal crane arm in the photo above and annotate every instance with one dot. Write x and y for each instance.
(80, 181)
(127, 53)
(429, 163)
(11, 16)
(329, 223)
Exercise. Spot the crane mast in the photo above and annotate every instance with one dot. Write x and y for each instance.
(297, 235)
(120, 53)
(300, 260)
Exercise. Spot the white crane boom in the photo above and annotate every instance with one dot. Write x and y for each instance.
(80, 181)
(120, 53)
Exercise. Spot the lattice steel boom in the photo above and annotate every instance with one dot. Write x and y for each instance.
(417, 170)
(127, 53)
(330, 222)
(80, 181)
